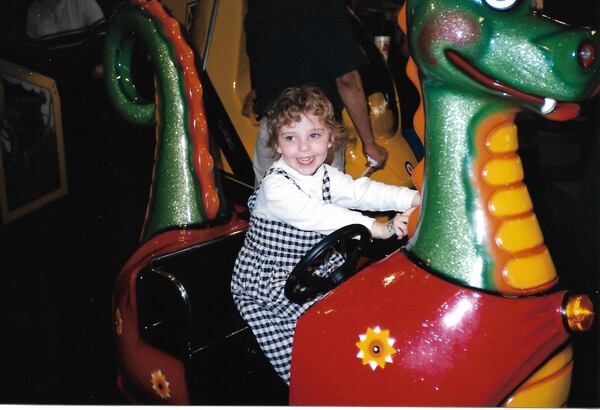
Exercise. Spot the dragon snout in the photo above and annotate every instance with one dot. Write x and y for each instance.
(573, 54)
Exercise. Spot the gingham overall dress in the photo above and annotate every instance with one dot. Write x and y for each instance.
(271, 251)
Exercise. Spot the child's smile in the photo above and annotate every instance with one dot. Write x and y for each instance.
(304, 145)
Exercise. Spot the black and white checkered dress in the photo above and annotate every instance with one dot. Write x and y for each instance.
(270, 252)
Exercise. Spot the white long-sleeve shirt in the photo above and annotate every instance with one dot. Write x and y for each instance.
(280, 200)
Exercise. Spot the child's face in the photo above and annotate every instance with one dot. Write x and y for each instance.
(303, 145)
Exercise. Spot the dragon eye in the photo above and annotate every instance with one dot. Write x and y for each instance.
(501, 4)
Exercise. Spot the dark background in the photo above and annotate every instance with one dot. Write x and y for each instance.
(58, 264)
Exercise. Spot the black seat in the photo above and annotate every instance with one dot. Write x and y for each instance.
(186, 309)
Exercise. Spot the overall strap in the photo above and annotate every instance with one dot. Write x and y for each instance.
(326, 187)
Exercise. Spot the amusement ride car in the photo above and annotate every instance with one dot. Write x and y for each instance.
(468, 313)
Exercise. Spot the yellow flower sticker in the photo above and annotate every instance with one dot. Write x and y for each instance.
(160, 384)
(376, 347)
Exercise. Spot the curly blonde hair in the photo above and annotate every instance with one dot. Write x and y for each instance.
(294, 102)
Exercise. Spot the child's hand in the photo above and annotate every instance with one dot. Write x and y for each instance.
(400, 223)
(382, 230)
(397, 226)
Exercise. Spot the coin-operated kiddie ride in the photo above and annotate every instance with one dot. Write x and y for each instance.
(469, 313)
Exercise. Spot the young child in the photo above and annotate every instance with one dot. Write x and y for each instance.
(300, 200)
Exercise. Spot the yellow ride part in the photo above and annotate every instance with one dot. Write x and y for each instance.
(547, 387)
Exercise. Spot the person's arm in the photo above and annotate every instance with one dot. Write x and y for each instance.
(314, 214)
(369, 195)
(351, 91)
(280, 200)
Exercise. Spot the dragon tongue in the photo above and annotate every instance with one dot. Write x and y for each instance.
(563, 112)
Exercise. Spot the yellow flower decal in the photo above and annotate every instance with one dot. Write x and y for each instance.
(160, 384)
(118, 322)
(376, 347)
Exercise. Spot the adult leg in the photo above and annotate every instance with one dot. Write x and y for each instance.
(338, 160)
(264, 156)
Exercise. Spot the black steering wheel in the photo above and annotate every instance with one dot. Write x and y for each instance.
(302, 286)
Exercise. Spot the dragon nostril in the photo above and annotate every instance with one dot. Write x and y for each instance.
(586, 54)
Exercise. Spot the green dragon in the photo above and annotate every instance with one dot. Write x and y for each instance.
(479, 63)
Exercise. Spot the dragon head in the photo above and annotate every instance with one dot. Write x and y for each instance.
(507, 49)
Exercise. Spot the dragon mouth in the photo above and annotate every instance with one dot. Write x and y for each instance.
(548, 107)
